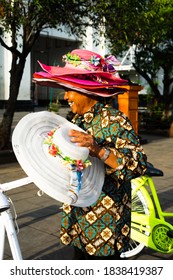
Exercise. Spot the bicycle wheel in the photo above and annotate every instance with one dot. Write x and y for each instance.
(139, 205)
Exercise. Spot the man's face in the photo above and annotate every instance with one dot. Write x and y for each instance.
(78, 102)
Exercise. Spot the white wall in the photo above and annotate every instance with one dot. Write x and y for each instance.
(88, 43)
(1, 72)
(5, 66)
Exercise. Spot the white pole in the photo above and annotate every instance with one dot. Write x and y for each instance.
(2, 238)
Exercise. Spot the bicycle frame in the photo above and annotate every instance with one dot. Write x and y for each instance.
(151, 229)
(6, 220)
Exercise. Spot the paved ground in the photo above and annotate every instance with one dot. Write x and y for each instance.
(39, 218)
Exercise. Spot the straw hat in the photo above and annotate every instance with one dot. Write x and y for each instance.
(84, 71)
(58, 167)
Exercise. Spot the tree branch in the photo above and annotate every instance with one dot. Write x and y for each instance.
(150, 81)
(11, 49)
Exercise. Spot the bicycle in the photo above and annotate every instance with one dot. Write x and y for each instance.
(7, 225)
(148, 225)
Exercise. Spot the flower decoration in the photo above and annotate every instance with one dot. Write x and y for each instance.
(95, 60)
(110, 64)
(72, 58)
(95, 63)
(55, 151)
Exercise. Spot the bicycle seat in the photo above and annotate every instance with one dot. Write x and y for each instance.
(152, 171)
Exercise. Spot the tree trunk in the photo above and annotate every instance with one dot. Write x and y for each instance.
(6, 124)
(152, 85)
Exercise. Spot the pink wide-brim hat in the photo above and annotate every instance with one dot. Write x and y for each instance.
(84, 71)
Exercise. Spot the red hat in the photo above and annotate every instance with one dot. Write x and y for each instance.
(84, 71)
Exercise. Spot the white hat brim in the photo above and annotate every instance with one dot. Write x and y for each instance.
(48, 173)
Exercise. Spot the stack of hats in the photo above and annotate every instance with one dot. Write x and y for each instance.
(84, 71)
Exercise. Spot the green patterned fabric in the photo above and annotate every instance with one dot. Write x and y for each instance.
(105, 225)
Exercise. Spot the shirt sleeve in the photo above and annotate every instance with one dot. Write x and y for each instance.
(123, 141)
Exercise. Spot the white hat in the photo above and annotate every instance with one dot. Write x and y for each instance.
(51, 174)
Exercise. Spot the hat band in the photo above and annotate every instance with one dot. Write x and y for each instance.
(96, 63)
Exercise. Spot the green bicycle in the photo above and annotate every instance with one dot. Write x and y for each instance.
(148, 225)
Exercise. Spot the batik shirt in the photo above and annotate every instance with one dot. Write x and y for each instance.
(105, 225)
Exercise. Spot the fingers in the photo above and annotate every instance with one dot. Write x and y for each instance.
(75, 133)
(85, 140)
(81, 138)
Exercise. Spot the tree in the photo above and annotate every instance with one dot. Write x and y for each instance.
(26, 19)
(149, 26)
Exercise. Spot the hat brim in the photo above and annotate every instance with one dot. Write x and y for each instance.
(102, 91)
(97, 83)
(83, 81)
(47, 172)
